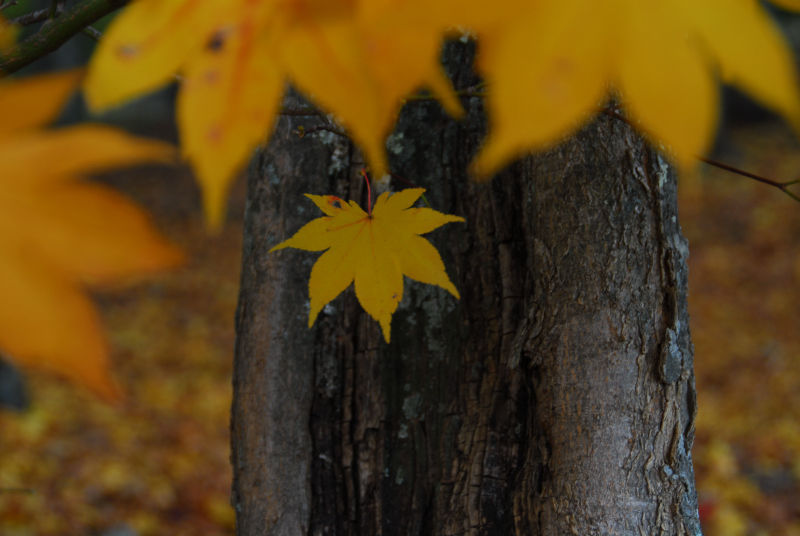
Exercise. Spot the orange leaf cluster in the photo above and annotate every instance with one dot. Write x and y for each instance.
(235, 57)
(58, 233)
(548, 64)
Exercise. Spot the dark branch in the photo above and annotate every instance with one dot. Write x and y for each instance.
(93, 33)
(56, 32)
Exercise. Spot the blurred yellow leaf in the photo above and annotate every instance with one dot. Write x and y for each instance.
(666, 73)
(236, 56)
(228, 101)
(548, 66)
(359, 71)
(374, 250)
(49, 93)
(146, 45)
(58, 233)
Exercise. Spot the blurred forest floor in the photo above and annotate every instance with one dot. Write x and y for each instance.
(158, 465)
(744, 304)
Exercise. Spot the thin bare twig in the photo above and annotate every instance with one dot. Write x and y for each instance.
(3, 4)
(410, 185)
(782, 186)
(40, 15)
(93, 33)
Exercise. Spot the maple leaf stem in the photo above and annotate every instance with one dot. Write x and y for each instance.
(96, 35)
(55, 32)
(369, 192)
(404, 181)
(31, 18)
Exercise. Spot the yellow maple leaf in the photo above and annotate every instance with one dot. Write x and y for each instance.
(59, 233)
(374, 250)
(236, 56)
(666, 73)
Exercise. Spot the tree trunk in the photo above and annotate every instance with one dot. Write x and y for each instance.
(555, 398)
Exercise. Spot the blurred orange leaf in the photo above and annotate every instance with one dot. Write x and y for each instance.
(666, 73)
(58, 232)
(374, 250)
(547, 65)
(236, 56)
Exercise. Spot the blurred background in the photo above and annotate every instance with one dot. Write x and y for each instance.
(158, 464)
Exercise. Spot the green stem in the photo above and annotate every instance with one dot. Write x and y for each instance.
(56, 32)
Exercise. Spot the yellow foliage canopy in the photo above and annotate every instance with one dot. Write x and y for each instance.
(547, 64)
(235, 57)
(374, 250)
(548, 69)
(58, 233)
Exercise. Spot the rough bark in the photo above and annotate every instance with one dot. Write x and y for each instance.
(556, 397)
